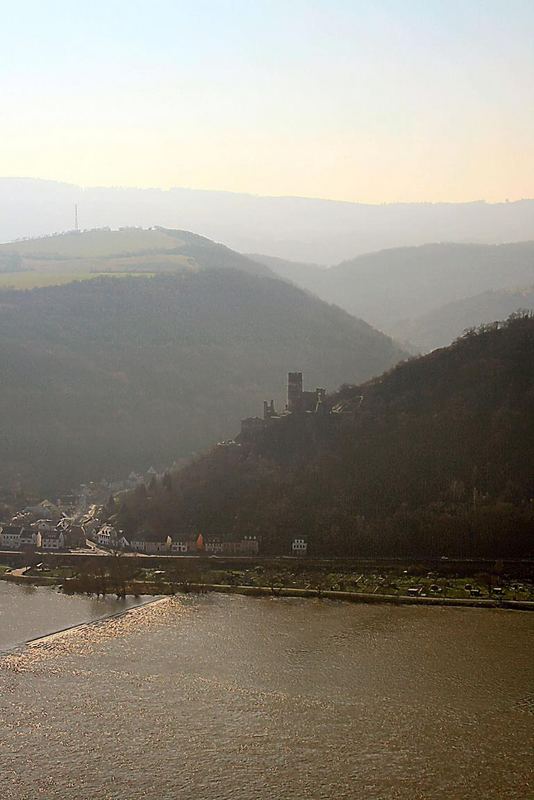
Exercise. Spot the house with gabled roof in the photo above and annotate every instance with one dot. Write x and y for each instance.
(10, 537)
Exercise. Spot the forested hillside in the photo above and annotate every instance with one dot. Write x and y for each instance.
(433, 458)
(104, 376)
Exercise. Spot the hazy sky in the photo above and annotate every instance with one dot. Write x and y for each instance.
(367, 100)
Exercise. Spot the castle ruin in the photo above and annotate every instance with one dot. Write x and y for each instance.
(298, 402)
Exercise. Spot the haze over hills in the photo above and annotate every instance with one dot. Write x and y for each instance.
(434, 457)
(391, 286)
(103, 376)
(440, 326)
(303, 229)
(308, 276)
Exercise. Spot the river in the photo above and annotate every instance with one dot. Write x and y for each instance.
(28, 611)
(220, 697)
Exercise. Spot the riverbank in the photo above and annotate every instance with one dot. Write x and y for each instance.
(362, 597)
(46, 639)
(406, 588)
(18, 576)
(146, 588)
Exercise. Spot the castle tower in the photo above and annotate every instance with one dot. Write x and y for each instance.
(294, 391)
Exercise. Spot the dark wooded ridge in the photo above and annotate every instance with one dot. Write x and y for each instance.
(436, 460)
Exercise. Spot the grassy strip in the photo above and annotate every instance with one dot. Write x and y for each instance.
(139, 588)
(364, 597)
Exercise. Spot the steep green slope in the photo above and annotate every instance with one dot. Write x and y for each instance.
(104, 376)
(435, 457)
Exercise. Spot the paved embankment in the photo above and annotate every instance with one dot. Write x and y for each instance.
(18, 576)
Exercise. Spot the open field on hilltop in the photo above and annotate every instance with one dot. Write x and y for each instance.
(93, 244)
(68, 257)
(36, 280)
(62, 258)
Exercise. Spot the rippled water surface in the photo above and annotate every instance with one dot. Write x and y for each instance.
(237, 698)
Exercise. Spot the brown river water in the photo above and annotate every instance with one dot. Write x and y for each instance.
(235, 698)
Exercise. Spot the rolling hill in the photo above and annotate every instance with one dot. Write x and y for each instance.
(79, 255)
(103, 376)
(432, 458)
(300, 228)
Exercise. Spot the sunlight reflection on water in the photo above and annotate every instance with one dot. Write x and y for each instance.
(231, 697)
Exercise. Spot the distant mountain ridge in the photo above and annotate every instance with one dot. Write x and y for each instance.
(304, 229)
(390, 286)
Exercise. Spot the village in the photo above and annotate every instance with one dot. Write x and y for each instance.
(83, 522)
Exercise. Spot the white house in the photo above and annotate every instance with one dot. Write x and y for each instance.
(107, 536)
(162, 546)
(52, 540)
(249, 546)
(214, 546)
(151, 547)
(183, 546)
(10, 537)
(299, 547)
(29, 538)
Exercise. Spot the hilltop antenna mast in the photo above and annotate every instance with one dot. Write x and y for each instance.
(76, 217)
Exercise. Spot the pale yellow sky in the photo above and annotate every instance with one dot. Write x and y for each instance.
(371, 102)
(336, 167)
